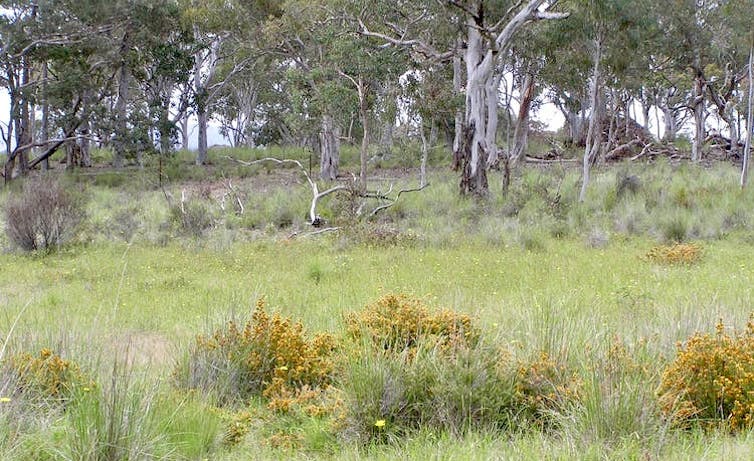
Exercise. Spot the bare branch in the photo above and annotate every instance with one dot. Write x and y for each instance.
(394, 201)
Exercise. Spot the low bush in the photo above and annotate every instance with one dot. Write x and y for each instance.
(192, 218)
(44, 215)
(711, 381)
(679, 253)
(396, 323)
(45, 377)
(269, 356)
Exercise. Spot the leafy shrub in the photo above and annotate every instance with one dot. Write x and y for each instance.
(680, 253)
(46, 377)
(712, 380)
(270, 356)
(45, 215)
(396, 323)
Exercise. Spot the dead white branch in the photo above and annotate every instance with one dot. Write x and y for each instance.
(395, 200)
(314, 220)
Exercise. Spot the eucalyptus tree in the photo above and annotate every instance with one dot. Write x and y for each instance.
(609, 28)
(57, 51)
(484, 31)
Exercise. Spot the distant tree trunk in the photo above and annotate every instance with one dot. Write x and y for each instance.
(10, 162)
(491, 99)
(386, 118)
(699, 115)
(425, 153)
(121, 114)
(185, 132)
(329, 148)
(201, 111)
(521, 134)
(749, 119)
(364, 116)
(45, 117)
(594, 135)
(458, 120)
(23, 132)
(85, 132)
(671, 129)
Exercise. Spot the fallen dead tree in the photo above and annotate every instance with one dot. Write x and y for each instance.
(385, 200)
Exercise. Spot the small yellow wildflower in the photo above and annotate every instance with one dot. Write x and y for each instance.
(380, 423)
(86, 389)
(4, 399)
(283, 368)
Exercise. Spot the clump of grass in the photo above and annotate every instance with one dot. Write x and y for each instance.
(388, 396)
(192, 217)
(711, 381)
(680, 253)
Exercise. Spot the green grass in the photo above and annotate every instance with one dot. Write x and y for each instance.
(537, 271)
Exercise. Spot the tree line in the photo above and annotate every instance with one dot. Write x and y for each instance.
(128, 75)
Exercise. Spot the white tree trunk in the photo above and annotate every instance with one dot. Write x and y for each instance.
(699, 115)
(749, 121)
(594, 134)
(458, 122)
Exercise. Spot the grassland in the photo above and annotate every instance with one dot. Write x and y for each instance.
(537, 272)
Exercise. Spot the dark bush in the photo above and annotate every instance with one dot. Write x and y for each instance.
(44, 215)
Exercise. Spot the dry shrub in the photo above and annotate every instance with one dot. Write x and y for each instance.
(712, 380)
(397, 322)
(269, 356)
(677, 254)
(45, 215)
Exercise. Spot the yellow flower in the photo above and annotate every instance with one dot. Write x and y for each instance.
(283, 368)
(86, 389)
(4, 399)
(380, 423)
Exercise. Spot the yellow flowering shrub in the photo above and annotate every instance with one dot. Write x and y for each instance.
(544, 386)
(269, 356)
(397, 322)
(679, 253)
(712, 379)
(47, 375)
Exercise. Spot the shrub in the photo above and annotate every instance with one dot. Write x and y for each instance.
(193, 217)
(543, 387)
(680, 253)
(45, 215)
(46, 377)
(711, 380)
(389, 395)
(396, 323)
(269, 357)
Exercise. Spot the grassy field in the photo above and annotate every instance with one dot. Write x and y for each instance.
(536, 271)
